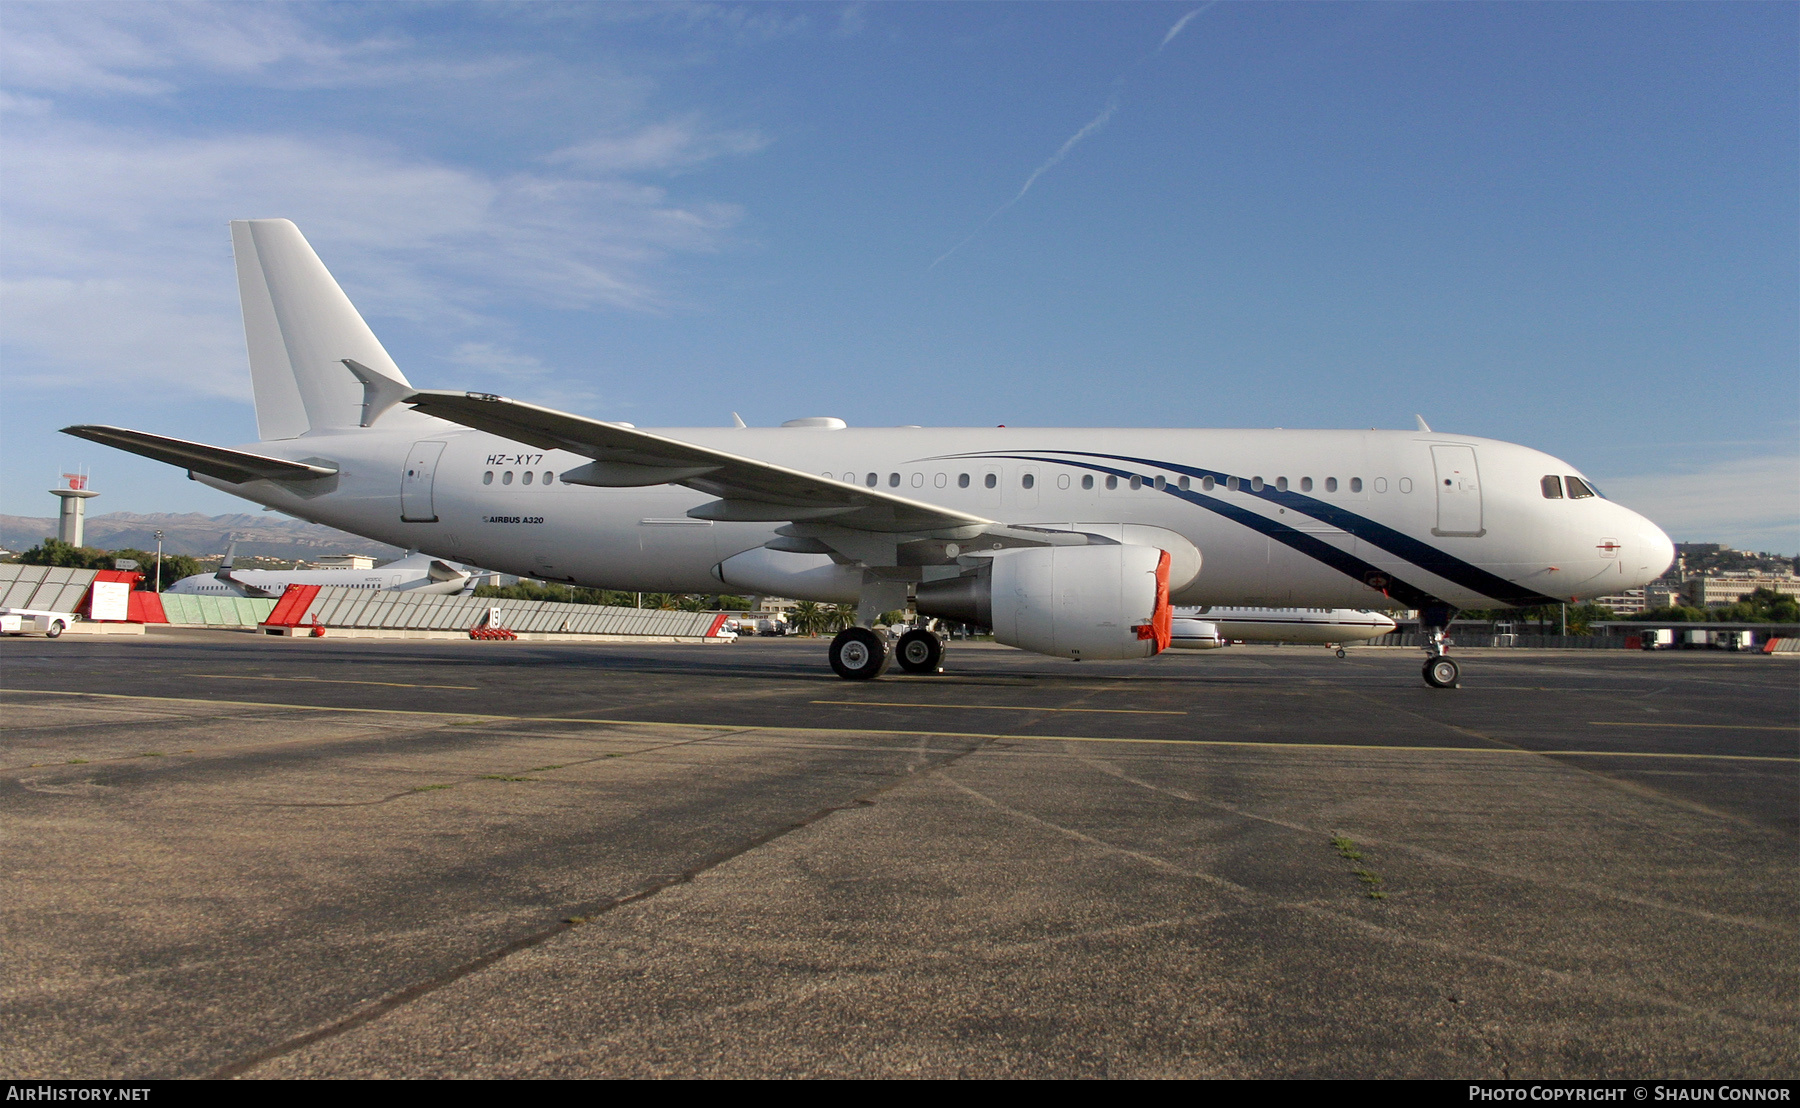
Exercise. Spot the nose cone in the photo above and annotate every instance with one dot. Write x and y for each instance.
(1654, 552)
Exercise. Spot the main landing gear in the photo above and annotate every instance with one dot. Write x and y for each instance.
(920, 651)
(859, 654)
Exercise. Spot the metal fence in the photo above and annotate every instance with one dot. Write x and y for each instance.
(340, 606)
(1541, 642)
(45, 588)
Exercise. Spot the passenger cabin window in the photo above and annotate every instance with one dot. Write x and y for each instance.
(1577, 488)
(962, 480)
(1306, 484)
(525, 480)
(1207, 484)
(992, 480)
(1183, 483)
(1062, 480)
(1136, 483)
(488, 477)
(1256, 484)
(1162, 483)
(1087, 480)
(1552, 486)
(918, 480)
(1331, 484)
(1112, 481)
(1027, 481)
(506, 478)
(549, 477)
(1231, 483)
(1281, 484)
(871, 479)
(1356, 484)
(940, 480)
(893, 480)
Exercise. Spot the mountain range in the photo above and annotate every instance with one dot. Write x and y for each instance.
(264, 535)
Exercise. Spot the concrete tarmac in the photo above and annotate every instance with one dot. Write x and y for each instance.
(238, 855)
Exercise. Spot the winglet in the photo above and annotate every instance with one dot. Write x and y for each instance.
(1423, 426)
(738, 420)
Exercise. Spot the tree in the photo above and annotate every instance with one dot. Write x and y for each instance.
(55, 552)
(808, 618)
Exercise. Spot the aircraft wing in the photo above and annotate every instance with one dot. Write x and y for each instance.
(748, 490)
(236, 466)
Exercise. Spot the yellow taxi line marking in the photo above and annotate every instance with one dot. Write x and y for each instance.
(999, 707)
(738, 728)
(1706, 726)
(328, 681)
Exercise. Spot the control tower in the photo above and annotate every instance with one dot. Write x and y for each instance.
(72, 519)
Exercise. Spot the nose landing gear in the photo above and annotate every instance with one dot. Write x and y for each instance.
(1440, 672)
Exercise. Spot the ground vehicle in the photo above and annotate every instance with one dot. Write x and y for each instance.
(19, 621)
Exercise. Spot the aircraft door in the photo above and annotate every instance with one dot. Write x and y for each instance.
(416, 482)
(1458, 491)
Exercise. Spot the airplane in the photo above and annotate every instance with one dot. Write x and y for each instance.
(1071, 542)
(1208, 628)
(420, 573)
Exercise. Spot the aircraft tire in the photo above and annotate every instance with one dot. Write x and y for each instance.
(1441, 673)
(920, 652)
(859, 654)
(1340, 652)
(55, 629)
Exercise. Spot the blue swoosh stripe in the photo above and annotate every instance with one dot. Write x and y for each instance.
(1398, 543)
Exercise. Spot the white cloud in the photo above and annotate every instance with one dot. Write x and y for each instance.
(672, 145)
(142, 49)
(1749, 503)
(118, 261)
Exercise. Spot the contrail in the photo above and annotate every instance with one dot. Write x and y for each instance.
(1094, 124)
(1182, 22)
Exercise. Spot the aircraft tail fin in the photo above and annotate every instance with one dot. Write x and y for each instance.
(301, 330)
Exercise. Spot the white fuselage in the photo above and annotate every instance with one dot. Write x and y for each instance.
(405, 574)
(1388, 519)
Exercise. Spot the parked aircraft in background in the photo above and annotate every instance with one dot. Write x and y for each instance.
(1070, 542)
(1212, 627)
(414, 573)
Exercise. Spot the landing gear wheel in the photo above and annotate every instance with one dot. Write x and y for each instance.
(55, 629)
(1441, 673)
(858, 654)
(920, 652)
(1340, 652)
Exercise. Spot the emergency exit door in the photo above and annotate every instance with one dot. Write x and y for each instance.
(416, 481)
(1458, 491)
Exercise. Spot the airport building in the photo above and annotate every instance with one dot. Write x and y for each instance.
(1728, 588)
(1628, 603)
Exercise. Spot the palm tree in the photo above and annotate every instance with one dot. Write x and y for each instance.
(840, 616)
(808, 618)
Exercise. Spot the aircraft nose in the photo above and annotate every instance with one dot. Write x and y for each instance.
(1656, 551)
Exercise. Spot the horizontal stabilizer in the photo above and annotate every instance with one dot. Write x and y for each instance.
(235, 466)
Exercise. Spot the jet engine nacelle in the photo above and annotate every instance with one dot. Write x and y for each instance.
(1094, 602)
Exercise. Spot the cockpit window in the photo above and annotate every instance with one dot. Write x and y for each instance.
(1552, 485)
(1577, 488)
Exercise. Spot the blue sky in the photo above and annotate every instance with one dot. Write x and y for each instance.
(1572, 226)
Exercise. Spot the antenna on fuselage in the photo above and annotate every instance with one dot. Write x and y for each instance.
(1423, 426)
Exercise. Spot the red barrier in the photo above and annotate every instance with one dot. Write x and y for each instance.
(292, 606)
(146, 607)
